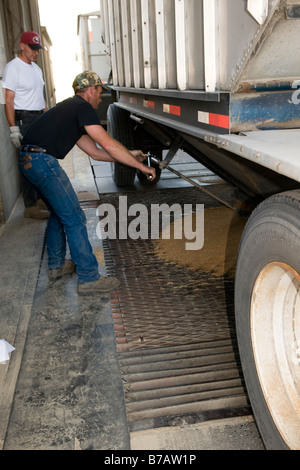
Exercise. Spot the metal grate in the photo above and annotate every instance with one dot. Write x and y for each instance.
(175, 333)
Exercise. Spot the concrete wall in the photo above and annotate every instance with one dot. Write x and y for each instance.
(9, 173)
(47, 67)
(16, 16)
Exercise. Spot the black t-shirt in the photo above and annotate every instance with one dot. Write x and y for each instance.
(61, 127)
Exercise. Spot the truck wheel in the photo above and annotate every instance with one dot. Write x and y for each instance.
(120, 128)
(267, 309)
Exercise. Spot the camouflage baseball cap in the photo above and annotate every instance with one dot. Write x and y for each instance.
(87, 79)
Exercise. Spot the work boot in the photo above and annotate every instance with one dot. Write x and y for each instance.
(35, 212)
(67, 268)
(40, 203)
(102, 285)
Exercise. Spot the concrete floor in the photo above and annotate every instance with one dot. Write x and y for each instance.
(62, 388)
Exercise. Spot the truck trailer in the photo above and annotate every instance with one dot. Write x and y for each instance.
(93, 55)
(220, 80)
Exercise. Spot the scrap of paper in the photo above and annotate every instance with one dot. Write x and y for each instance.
(5, 350)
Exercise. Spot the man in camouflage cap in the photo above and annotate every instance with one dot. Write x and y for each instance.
(50, 139)
(87, 79)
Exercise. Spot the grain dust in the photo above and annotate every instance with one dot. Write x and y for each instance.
(223, 228)
(100, 256)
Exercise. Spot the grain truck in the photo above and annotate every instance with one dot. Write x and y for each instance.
(220, 80)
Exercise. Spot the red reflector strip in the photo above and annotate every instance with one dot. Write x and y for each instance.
(171, 109)
(133, 100)
(218, 120)
(149, 104)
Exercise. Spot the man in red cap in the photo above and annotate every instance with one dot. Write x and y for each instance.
(24, 102)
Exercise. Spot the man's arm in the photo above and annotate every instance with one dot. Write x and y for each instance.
(15, 134)
(88, 146)
(10, 107)
(115, 150)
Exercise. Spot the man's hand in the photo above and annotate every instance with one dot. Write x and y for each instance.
(15, 136)
(138, 155)
(149, 172)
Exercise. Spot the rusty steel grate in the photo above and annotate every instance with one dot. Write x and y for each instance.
(175, 333)
(161, 383)
(161, 306)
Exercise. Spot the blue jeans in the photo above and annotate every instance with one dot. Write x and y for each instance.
(30, 195)
(67, 220)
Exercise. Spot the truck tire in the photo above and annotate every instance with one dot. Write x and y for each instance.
(267, 309)
(119, 126)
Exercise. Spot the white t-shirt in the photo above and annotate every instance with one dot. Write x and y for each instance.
(26, 80)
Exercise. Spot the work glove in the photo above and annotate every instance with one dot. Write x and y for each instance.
(16, 136)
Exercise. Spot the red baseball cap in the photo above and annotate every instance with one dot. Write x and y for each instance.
(32, 39)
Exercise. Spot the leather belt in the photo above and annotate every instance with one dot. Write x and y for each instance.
(32, 149)
(20, 113)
